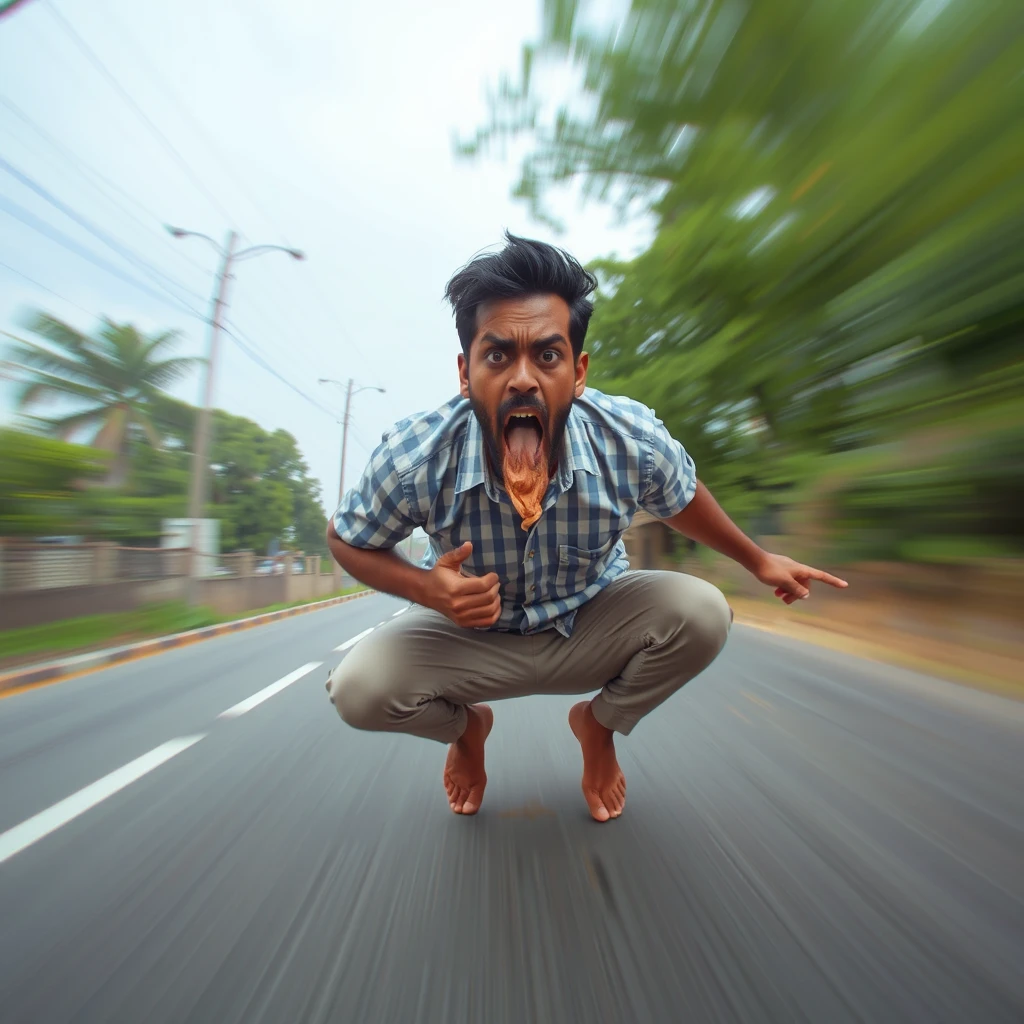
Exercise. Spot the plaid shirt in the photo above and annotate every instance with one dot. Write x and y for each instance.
(431, 471)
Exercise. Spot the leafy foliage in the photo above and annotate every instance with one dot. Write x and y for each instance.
(110, 378)
(831, 309)
(41, 483)
(260, 490)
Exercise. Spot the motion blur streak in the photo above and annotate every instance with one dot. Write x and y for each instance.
(809, 837)
(829, 311)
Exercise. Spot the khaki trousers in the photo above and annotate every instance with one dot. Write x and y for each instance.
(638, 641)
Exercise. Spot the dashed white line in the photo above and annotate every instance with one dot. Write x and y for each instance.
(33, 829)
(268, 691)
(352, 641)
(395, 615)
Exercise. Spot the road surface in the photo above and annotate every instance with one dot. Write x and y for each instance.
(808, 837)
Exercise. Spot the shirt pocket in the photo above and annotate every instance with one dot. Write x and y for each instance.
(578, 568)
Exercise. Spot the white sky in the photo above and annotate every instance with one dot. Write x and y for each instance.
(326, 126)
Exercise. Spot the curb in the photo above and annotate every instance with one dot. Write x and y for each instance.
(57, 671)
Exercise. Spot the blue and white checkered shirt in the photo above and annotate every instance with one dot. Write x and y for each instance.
(431, 471)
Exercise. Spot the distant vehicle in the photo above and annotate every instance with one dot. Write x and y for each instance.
(265, 568)
(297, 568)
(223, 570)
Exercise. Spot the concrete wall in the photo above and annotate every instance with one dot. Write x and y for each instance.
(20, 608)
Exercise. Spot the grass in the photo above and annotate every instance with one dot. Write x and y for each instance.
(90, 631)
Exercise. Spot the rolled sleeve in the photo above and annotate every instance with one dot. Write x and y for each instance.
(376, 513)
(671, 478)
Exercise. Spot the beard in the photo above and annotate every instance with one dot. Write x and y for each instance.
(523, 450)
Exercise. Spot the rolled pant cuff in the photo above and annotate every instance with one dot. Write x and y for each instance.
(610, 717)
(449, 733)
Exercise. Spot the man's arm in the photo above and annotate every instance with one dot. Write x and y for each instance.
(704, 521)
(467, 600)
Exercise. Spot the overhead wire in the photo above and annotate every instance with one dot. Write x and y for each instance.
(102, 183)
(37, 224)
(309, 276)
(46, 288)
(154, 129)
(126, 253)
(246, 345)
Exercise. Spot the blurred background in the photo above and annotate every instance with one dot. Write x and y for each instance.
(805, 216)
(225, 231)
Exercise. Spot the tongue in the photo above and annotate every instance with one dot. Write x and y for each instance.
(526, 477)
(523, 442)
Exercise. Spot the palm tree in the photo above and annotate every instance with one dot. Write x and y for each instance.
(117, 373)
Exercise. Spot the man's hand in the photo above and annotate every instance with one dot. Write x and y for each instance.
(791, 580)
(468, 601)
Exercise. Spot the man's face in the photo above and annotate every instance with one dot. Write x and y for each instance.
(521, 379)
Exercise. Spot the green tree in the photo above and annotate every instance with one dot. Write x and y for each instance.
(111, 380)
(41, 484)
(829, 312)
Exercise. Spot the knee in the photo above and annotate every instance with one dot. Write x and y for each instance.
(359, 693)
(701, 615)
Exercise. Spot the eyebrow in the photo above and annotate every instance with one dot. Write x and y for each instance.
(509, 343)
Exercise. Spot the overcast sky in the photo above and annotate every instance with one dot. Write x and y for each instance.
(322, 125)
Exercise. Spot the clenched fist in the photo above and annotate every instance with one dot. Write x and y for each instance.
(469, 601)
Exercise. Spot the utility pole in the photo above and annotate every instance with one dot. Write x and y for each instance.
(197, 491)
(344, 440)
(349, 392)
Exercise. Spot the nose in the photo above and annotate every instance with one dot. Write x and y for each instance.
(523, 381)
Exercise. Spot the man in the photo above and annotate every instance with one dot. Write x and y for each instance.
(524, 485)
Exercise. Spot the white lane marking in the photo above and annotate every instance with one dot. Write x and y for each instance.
(33, 829)
(268, 691)
(354, 640)
(395, 615)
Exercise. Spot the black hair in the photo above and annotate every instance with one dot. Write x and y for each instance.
(523, 267)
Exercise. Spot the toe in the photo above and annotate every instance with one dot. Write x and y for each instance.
(473, 800)
(598, 810)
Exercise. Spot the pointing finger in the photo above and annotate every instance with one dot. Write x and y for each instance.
(817, 574)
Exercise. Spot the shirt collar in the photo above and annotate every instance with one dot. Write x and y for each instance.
(474, 469)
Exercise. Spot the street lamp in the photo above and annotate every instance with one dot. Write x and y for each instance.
(197, 485)
(344, 423)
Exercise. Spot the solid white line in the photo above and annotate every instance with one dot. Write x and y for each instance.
(33, 829)
(354, 640)
(268, 691)
(395, 615)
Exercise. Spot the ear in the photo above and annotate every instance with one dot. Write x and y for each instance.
(581, 373)
(463, 376)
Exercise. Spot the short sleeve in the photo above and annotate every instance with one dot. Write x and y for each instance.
(376, 513)
(671, 478)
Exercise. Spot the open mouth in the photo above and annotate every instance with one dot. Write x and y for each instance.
(524, 435)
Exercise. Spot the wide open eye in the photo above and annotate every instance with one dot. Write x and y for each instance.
(495, 357)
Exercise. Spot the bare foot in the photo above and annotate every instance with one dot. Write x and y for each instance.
(604, 785)
(464, 775)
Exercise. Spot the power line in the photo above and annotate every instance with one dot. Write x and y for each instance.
(97, 63)
(250, 348)
(45, 288)
(91, 174)
(197, 125)
(37, 224)
(122, 250)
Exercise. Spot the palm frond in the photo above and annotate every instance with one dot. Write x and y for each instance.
(159, 375)
(66, 426)
(159, 341)
(36, 357)
(41, 386)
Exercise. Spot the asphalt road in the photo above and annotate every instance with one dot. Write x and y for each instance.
(808, 837)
